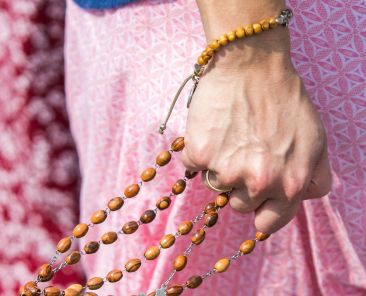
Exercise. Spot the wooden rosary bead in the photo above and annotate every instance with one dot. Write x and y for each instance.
(190, 175)
(163, 203)
(148, 174)
(167, 241)
(52, 291)
(132, 190)
(272, 23)
(174, 290)
(231, 36)
(80, 230)
(95, 283)
(163, 158)
(221, 200)
(179, 186)
(73, 290)
(114, 275)
(248, 30)
(239, 32)
(223, 40)
(194, 281)
(91, 247)
(98, 217)
(73, 258)
(185, 227)
(130, 227)
(180, 262)
(261, 236)
(222, 265)
(257, 28)
(211, 219)
(45, 273)
(178, 144)
(148, 216)
(247, 246)
(64, 245)
(109, 237)
(32, 289)
(198, 237)
(24, 292)
(201, 61)
(152, 253)
(210, 207)
(132, 265)
(115, 203)
(215, 45)
(264, 24)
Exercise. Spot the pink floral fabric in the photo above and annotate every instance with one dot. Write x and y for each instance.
(123, 67)
(38, 162)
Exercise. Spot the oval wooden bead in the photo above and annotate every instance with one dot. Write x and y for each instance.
(221, 200)
(24, 292)
(80, 230)
(152, 253)
(45, 273)
(163, 203)
(239, 32)
(264, 24)
(231, 36)
(114, 275)
(98, 217)
(185, 227)
(201, 61)
(272, 23)
(148, 174)
(132, 190)
(222, 265)
(223, 40)
(73, 290)
(163, 158)
(210, 207)
(63, 245)
(261, 236)
(194, 281)
(198, 237)
(178, 144)
(148, 216)
(179, 186)
(190, 175)
(52, 291)
(115, 203)
(167, 241)
(32, 289)
(130, 227)
(211, 219)
(257, 28)
(109, 237)
(180, 262)
(91, 247)
(73, 258)
(247, 246)
(95, 283)
(215, 45)
(248, 30)
(132, 265)
(174, 290)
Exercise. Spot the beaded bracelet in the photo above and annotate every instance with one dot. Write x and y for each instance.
(210, 213)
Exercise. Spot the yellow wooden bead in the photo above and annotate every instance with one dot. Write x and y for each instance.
(264, 24)
(272, 23)
(257, 28)
(214, 45)
(223, 40)
(248, 30)
(231, 36)
(239, 32)
(201, 61)
(208, 52)
(222, 265)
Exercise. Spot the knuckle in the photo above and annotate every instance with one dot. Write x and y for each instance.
(294, 185)
(195, 154)
(258, 182)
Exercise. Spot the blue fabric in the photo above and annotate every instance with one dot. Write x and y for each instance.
(101, 4)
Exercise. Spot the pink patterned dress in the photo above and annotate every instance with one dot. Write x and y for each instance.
(123, 67)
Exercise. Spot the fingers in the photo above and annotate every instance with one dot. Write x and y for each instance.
(274, 214)
(242, 202)
(192, 164)
(322, 177)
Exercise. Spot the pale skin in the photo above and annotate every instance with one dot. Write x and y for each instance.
(251, 121)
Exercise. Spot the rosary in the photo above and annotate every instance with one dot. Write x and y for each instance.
(209, 214)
